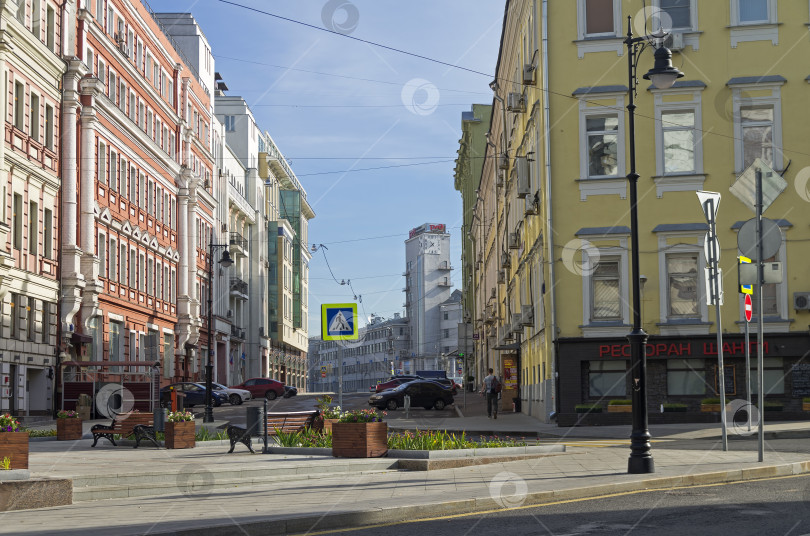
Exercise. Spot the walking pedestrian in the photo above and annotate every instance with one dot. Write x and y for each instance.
(490, 389)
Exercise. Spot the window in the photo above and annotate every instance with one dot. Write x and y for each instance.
(47, 240)
(230, 123)
(602, 136)
(17, 216)
(46, 322)
(33, 219)
(21, 12)
(141, 273)
(757, 134)
(102, 162)
(150, 277)
(773, 372)
(113, 170)
(686, 377)
(168, 364)
(445, 333)
(36, 23)
(51, 29)
(173, 288)
(679, 14)
(31, 319)
(678, 139)
(116, 346)
(133, 269)
(113, 88)
(102, 255)
(19, 105)
(751, 11)
(113, 270)
(446, 315)
(606, 378)
(605, 291)
(598, 18)
(15, 305)
(122, 269)
(682, 286)
(34, 120)
(49, 126)
(165, 286)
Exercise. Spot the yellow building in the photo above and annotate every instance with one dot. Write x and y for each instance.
(553, 275)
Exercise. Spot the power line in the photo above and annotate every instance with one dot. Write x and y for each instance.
(358, 39)
(374, 168)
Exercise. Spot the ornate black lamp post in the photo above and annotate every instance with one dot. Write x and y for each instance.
(662, 76)
(225, 261)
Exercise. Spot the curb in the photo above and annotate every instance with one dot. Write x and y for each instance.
(364, 518)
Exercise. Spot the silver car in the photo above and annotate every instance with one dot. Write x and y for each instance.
(235, 396)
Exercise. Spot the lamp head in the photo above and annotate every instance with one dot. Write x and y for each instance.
(663, 74)
(226, 260)
(493, 85)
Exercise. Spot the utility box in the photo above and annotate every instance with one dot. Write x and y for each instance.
(254, 421)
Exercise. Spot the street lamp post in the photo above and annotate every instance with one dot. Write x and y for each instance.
(225, 261)
(662, 76)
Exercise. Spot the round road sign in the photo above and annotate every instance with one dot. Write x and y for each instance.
(771, 238)
(749, 308)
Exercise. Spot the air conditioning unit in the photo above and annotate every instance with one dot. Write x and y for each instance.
(674, 41)
(514, 240)
(206, 184)
(801, 301)
(515, 103)
(517, 323)
(530, 206)
(528, 74)
(229, 314)
(500, 177)
(501, 276)
(523, 185)
(261, 331)
(492, 331)
(492, 293)
(503, 161)
(527, 315)
(505, 260)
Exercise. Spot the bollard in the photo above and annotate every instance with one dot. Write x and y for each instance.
(407, 402)
(159, 419)
(264, 419)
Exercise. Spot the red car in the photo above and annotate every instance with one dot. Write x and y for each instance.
(395, 381)
(258, 387)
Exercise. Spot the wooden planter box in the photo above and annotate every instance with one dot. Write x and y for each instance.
(805, 406)
(620, 409)
(180, 435)
(14, 445)
(359, 439)
(708, 408)
(68, 429)
(327, 424)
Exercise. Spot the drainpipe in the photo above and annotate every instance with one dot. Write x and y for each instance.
(549, 218)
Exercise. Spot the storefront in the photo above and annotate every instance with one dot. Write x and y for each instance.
(682, 370)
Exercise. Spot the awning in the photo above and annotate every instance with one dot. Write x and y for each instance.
(512, 346)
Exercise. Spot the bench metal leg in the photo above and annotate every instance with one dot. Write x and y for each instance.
(143, 431)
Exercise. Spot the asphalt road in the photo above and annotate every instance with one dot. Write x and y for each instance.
(303, 402)
(777, 507)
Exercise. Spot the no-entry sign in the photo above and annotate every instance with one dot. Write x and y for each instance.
(749, 308)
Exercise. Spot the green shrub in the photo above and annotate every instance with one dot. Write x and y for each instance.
(41, 433)
(806, 400)
(673, 407)
(774, 406)
(710, 401)
(442, 440)
(620, 403)
(588, 408)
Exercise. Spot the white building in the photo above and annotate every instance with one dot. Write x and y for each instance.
(427, 287)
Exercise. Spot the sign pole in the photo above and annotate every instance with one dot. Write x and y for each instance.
(760, 320)
(717, 288)
(747, 365)
(340, 377)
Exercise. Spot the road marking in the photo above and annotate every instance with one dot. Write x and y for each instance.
(541, 505)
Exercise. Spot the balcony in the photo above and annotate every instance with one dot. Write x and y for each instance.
(445, 265)
(445, 282)
(238, 244)
(239, 289)
(237, 332)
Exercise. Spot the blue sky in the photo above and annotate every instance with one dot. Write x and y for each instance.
(406, 111)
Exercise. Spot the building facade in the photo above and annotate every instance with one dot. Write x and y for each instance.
(31, 45)
(427, 286)
(556, 192)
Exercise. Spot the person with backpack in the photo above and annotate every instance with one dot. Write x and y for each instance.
(491, 388)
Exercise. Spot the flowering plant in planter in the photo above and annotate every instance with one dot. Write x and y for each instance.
(332, 412)
(362, 415)
(179, 416)
(9, 424)
(62, 414)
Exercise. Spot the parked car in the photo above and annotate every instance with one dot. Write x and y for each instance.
(235, 396)
(395, 381)
(262, 387)
(424, 393)
(290, 391)
(194, 395)
(447, 383)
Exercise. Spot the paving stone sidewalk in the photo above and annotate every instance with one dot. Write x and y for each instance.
(297, 504)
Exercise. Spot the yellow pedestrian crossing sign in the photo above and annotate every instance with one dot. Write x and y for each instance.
(339, 321)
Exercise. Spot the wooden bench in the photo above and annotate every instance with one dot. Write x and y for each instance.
(137, 424)
(291, 421)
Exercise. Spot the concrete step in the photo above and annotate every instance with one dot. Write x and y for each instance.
(202, 479)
